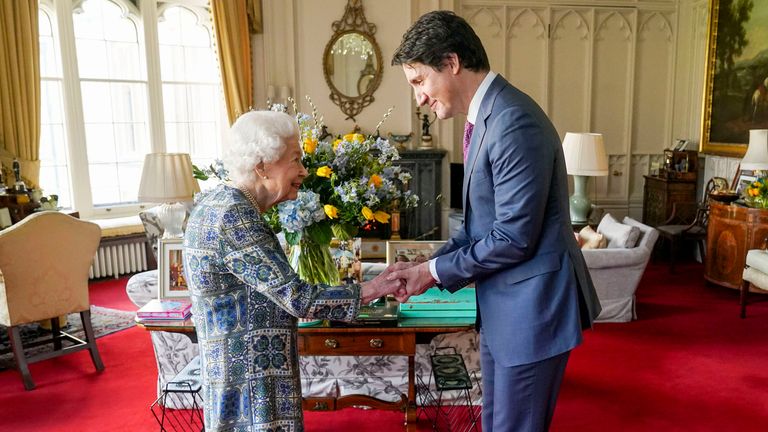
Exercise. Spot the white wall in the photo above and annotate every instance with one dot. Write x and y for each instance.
(636, 72)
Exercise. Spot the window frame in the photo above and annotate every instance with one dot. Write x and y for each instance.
(62, 22)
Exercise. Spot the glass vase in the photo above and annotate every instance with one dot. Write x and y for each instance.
(313, 262)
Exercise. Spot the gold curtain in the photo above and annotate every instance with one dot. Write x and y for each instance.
(20, 88)
(230, 22)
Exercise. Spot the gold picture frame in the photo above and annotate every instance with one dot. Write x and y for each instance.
(735, 86)
(411, 250)
(170, 268)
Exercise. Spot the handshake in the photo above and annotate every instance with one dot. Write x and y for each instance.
(402, 280)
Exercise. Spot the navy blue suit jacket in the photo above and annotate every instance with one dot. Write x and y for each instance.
(533, 288)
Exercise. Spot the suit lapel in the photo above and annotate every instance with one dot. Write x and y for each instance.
(478, 134)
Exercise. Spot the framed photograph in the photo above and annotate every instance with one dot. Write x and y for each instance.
(347, 256)
(736, 81)
(744, 182)
(680, 145)
(170, 269)
(5, 218)
(411, 250)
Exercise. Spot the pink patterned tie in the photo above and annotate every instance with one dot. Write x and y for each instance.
(468, 127)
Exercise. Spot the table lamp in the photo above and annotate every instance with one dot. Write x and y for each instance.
(585, 157)
(756, 157)
(167, 179)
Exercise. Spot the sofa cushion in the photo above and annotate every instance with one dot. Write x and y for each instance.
(590, 239)
(618, 234)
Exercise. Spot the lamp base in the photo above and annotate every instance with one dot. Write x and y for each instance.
(580, 203)
(172, 216)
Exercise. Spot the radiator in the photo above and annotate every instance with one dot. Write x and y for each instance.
(114, 260)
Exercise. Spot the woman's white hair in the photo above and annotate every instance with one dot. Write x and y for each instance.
(257, 136)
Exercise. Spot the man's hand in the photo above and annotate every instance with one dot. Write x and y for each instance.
(380, 286)
(417, 278)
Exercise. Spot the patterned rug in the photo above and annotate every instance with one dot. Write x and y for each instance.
(105, 321)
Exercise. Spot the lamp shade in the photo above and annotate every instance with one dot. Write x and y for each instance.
(167, 178)
(585, 154)
(756, 157)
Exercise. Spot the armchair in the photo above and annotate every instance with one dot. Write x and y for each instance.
(44, 260)
(616, 273)
(173, 351)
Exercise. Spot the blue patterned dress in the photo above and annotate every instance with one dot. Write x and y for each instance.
(245, 303)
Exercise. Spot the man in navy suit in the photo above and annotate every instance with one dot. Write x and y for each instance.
(534, 292)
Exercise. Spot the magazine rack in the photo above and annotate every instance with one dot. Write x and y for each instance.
(450, 374)
(169, 409)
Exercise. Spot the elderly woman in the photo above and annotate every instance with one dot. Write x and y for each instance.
(245, 297)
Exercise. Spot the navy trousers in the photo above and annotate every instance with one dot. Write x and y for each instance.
(520, 398)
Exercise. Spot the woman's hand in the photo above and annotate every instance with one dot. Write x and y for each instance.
(380, 286)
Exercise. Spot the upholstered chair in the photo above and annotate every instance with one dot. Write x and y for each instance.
(616, 271)
(755, 275)
(173, 351)
(44, 260)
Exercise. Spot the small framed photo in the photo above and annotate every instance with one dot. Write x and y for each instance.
(680, 145)
(743, 184)
(5, 218)
(170, 269)
(347, 257)
(411, 250)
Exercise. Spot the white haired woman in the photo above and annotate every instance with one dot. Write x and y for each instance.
(245, 297)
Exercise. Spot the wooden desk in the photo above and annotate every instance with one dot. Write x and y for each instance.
(731, 232)
(362, 341)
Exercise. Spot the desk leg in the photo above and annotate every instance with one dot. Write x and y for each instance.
(410, 413)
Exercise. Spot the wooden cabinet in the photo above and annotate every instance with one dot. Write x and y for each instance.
(731, 232)
(425, 166)
(660, 194)
(17, 211)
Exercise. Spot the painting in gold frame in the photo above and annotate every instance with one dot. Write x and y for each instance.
(736, 80)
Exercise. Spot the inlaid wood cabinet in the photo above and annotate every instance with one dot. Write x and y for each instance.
(660, 194)
(731, 232)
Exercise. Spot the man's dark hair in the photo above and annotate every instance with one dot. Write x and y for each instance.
(436, 35)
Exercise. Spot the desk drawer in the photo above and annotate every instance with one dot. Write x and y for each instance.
(357, 344)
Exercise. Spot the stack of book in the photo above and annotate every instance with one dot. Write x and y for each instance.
(435, 303)
(165, 309)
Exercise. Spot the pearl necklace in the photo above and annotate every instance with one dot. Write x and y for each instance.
(249, 196)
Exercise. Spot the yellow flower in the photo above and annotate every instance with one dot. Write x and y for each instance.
(367, 213)
(354, 137)
(375, 181)
(336, 143)
(324, 171)
(310, 145)
(381, 216)
(331, 211)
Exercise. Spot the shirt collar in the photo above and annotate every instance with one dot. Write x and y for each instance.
(477, 99)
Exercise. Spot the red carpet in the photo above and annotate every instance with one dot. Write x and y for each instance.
(688, 364)
(110, 292)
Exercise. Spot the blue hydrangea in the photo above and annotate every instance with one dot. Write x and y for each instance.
(300, 213)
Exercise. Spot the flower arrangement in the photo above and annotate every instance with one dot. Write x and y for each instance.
(351, 181)
(756, 194)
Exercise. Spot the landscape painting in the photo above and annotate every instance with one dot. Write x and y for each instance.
(736, 86)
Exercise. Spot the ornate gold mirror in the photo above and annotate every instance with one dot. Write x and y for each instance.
(352, 61)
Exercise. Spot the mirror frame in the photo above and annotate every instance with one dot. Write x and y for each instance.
(353, 21)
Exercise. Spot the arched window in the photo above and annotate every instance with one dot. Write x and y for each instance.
(192, 100)
(130, 80)
(54, 161)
